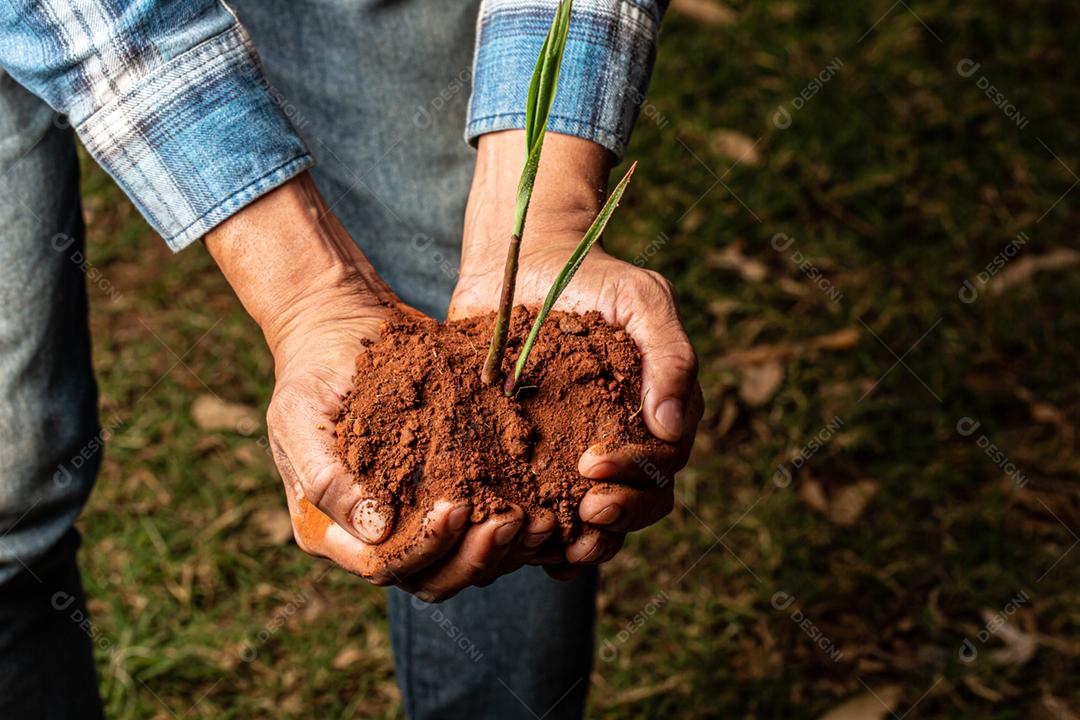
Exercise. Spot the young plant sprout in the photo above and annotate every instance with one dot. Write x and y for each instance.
(565, 275)
(542, 87)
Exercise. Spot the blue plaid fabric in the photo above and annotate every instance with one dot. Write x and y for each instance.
(609, 57)
(170, 98)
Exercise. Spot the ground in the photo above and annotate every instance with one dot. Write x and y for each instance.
(883, 499)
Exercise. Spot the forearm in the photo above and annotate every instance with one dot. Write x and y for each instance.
(571, 185)
(285, 255)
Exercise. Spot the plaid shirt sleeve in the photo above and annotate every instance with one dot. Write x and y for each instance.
(168, 97)
(606, 67)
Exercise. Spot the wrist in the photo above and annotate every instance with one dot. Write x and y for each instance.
(571, 185)
(285, 255)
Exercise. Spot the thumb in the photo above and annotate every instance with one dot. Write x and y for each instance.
(669, 364)
(302, 436)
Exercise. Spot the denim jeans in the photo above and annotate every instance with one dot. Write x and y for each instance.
(379, 90)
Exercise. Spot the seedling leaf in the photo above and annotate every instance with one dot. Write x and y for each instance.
(566, 275)
(541, 97)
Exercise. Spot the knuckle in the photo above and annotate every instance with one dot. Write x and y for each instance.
(317, 486)
(684, 355)
(654, 285)
(476, 568)
(434, 593)
(379, 578)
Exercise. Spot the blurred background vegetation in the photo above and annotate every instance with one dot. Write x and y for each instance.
(881, 513)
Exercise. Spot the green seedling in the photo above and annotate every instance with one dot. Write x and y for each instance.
(542, 89)
(566, 275)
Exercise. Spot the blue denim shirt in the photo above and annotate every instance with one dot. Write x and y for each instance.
(170, 99)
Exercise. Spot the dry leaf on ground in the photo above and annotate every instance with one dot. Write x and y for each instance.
(844, 506)
(839, 340)
(1023, 269)
(273, 524)
(212, 413)
(1054, 708)
(348, 656)
(732, 258)
(760, 382)
(875, 705)
(741, 149)
(1019, 645)
(711, 12)
(811, 493)
(847, 504)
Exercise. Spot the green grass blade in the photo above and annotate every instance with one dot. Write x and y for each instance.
(567, 274)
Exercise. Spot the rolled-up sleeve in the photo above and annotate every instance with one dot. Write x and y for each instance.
(169, 98)
(609, 57)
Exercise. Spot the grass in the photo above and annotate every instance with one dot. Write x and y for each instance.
(898, 179)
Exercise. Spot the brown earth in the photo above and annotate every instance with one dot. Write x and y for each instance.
(419, 425)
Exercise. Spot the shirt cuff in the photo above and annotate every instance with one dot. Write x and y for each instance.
(197, 139)
(605, 71)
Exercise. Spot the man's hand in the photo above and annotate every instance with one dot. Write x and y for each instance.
(569, 192)
(316, 297)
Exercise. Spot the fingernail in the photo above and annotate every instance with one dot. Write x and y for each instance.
(670, 417)
(606, 516)
(507, 532)
(601, 470)
(458, 517)
(372, 521)
(583, 549)
(594, 553)
(535, 539)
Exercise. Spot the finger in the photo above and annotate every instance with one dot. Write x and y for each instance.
(668, 362)
(619, 508)
(533, 541)
(317, 534)
(594, 546)
(475, 560)
(641, 465)
(302, 433)
(441, 530)
(553, 556)
(537, 532)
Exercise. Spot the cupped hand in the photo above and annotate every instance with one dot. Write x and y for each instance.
(637, 487)
(317, 300)
(635, 484)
